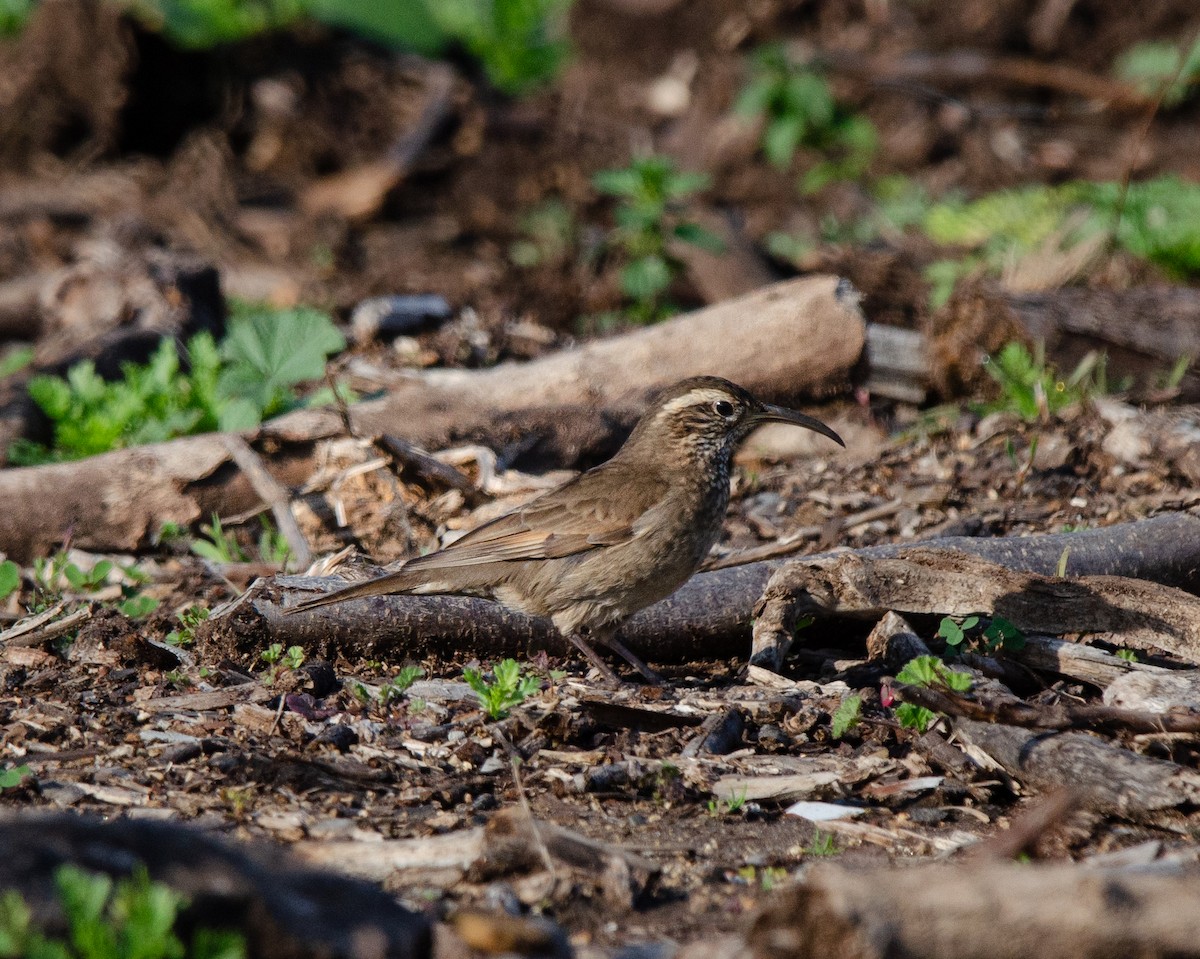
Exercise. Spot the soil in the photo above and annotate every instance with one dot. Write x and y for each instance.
(114, 145)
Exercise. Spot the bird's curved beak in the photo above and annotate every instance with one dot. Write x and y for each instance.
(766, 413)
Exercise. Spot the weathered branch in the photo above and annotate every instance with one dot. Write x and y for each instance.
(708, 617)
(945, 579)
(987, 709)
(1110, 778)
(979, 910)
(118, 500)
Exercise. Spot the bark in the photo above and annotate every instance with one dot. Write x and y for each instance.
(1008, 710)
(709, 617)
(980, 910)
(943, 578)
(1110, 779)
(280, 907)
(117, 501)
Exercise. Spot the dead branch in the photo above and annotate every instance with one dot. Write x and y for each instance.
(979, 910)
(708, 617)
(281, 908)
(116, 501)
(938, 580)
(987, 709)
(1110, 778)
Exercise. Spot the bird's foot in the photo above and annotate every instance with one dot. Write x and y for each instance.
(624, 652)
(593, 657)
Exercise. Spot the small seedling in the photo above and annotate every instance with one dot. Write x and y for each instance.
(218, 546)
(799, 110)
(954, 632)
(823, 844)
(276, 658)
(508, 688)
(650, 192)
(252, 374)
(10, 578)
(727, 806)
(1032, 388)
(999, 633)
(1128, 655)
(927, 671)
(520, 43)
(846, 716)
(190, 617)
(395, 690)
(273, 546)
(132, 918)
(11, 777)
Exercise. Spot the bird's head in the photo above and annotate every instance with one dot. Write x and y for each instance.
(708, 416)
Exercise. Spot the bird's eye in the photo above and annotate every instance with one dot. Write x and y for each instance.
(723, 408)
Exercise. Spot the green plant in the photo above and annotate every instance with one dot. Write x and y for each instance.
(1156, 220)
(10, 578)
(650, 192)
(273, 546)
(548, 233)
(1128, 655)
(395, 690)
(798, 110)
(218, 546)
(521, 43)
(508, 688)
(12, 776)
(927, 671)
(846, 716)
(732, 805)
(189, 617)
(1032, 388)
(823, 844)
(131, 919)
(14, 358)
(276, 658)
(251, 375)
(1154, 68)
(999, 633)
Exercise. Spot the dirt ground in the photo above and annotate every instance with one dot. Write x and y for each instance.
(113, 146)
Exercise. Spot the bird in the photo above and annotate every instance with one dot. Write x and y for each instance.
(589, 554)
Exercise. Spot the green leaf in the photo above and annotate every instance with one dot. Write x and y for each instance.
(135, 607)
(645, 278)
(781, 139)
(12, 777)
(697, 235)
(10, 578)
(1003, 634)
(270, 351)
(846, 716)
(914, 717)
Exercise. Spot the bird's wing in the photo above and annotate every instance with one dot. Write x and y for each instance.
(581, 516)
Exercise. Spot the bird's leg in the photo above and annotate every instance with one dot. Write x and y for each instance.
(594, 658)
(610, 640)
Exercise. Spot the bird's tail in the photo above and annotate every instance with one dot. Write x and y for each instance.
(397, 582)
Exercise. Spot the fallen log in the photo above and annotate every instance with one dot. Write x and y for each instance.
(709, 617)
(117, 501)
(1108, 778)
(935, 579)
(278, 905)
(979, 910)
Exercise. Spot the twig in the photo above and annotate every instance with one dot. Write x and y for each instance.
(1017, 713)
(273, 493)
(515, 760)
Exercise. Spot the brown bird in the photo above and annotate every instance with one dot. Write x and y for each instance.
(592, 552)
